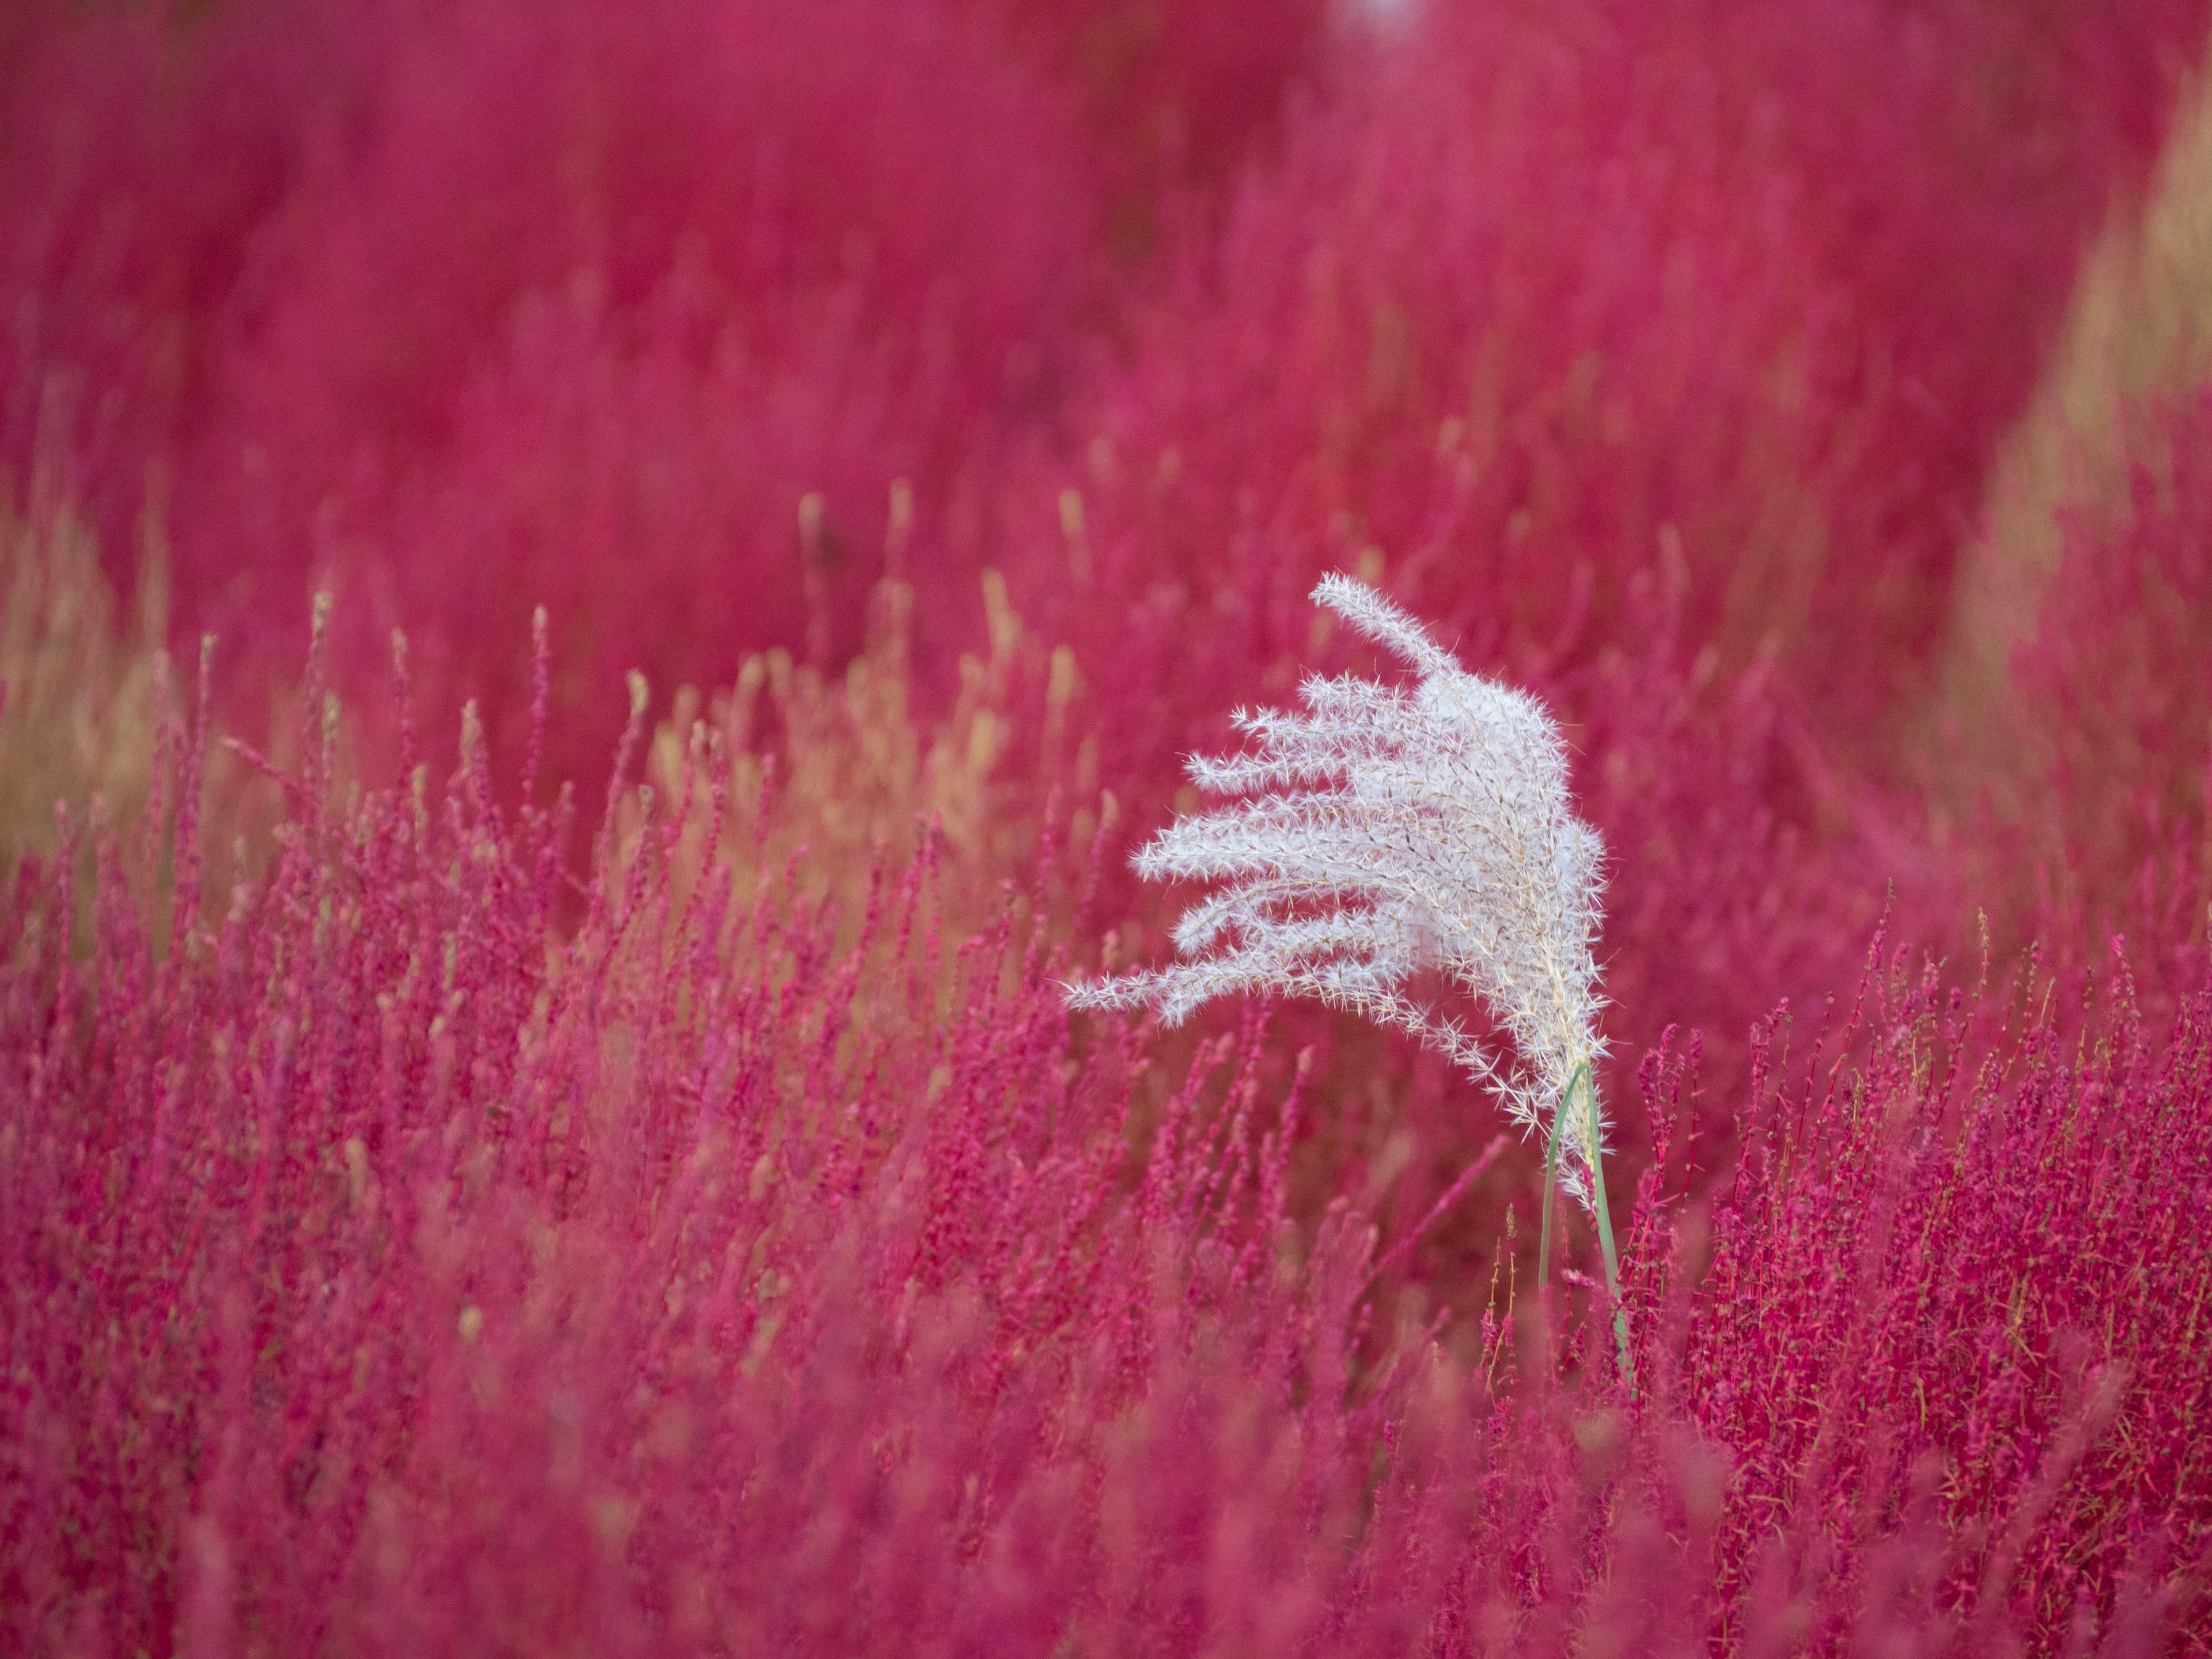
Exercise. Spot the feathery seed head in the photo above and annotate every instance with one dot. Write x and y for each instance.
(1380, 832)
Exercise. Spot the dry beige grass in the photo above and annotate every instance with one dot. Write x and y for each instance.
(2138, 330)
(2073, 809)
(843, 766)
(836, 764)
(83, 689)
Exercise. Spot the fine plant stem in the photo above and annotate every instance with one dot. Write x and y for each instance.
(1581, 1080)
(1605, 1241)
(1551, 1185)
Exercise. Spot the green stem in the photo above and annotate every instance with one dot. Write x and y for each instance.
(1582, 1080)
(1604, 1244)
(1551, 1181)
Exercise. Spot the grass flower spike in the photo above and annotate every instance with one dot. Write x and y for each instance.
(1383, 832)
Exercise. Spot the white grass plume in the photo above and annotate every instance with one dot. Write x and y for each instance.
(1384, 831)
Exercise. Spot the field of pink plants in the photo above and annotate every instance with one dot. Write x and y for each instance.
(598, 595)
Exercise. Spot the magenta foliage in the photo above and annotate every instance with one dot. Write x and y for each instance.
(479, 305)
(464, 306)
(1177, 93)
(388, 1271)
(1967, 1262)
(1559, 286)
(1659, 371)
(396, 1277)
(467, 1240)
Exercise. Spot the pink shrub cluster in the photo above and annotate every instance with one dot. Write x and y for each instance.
(391, 1271)
(464, 307)
(1991, 1236)
(1659, 402)
(459, 1227)
(1563, 284)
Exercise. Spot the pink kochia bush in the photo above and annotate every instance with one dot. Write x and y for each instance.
(468, 1225)
(1643, 357)
(462, 307)
(1959, 1269)
(1561, 284)
(388, 1268)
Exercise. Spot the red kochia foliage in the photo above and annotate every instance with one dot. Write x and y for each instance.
(480, 305)
(1641, 352)
(1557, 285)
(384, 1273)
(1968, 1262)
(1177, 91)
(465, 305)
(468, 1239)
